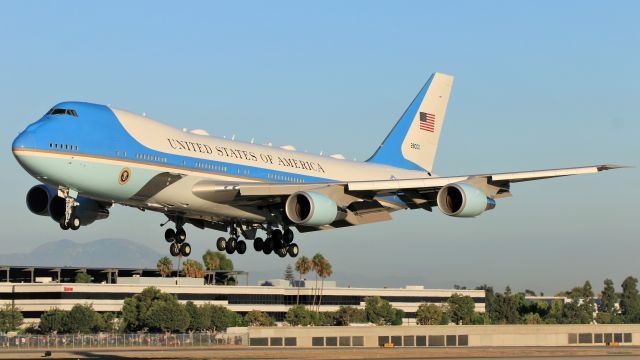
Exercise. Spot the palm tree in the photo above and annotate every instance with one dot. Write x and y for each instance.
(165, 266)
(316, 264)
(303, 266)
(193, 269)
(325, 272)
(212, 262)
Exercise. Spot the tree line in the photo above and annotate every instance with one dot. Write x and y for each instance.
(155, 311)
(580, 308)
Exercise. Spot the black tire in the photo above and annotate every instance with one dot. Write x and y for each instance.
(185, 249)
(287, 236)
(231, 245)
(74, 223)
(276, 235)
(221, 244)
(293, 250)
(267, 247)
(241, 248)
(282, 252)
(258, 244)
(63, 225)
(181, 235)
(170, 235)
(174, 249)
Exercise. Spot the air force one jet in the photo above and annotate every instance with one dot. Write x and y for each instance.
(89, 157)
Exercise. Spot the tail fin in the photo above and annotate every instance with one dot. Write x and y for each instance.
(413, 141)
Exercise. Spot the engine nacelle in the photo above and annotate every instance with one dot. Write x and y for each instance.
(38, 199)
(463, 200)
(311, 208)
(44, 200)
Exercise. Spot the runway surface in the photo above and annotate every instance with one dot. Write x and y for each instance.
(563, 353)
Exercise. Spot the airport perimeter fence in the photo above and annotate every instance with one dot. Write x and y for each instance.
(31, 342)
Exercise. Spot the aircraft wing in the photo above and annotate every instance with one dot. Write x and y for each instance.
(362, 200)
(496, 185)
(510, 177)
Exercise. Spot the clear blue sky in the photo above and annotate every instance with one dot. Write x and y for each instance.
(539, 84)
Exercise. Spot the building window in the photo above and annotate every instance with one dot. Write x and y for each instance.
(396, 340)
(436, 340)
(259, 342)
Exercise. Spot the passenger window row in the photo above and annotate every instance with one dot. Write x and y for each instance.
(149, 157)
(63, 147)
(213, 167)
(284, 178)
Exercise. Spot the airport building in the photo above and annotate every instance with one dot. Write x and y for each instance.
(20, 287)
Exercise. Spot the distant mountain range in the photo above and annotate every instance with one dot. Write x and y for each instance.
(96, 253)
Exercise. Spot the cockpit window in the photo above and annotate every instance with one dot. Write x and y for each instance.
(58, 111)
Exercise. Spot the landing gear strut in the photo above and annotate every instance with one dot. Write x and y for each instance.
(69, 220)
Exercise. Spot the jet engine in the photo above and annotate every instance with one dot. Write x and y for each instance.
(311, 208)
(44, 200)
(463, 200)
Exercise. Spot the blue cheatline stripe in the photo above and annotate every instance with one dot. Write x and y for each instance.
(390, 151)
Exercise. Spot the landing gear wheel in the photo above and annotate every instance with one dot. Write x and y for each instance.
(185, 249)
(241, 248)
(221, 244)
(258, 244)
(267, 246)
(282, 252)
(74, 223)
(231, 245)
(174, 249)
(287, 236)
(276, 235)
(293, 250)
(170, 235)
(181, 235)
(63, 224)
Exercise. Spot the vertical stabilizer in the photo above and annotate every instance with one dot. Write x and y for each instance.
(413, 141)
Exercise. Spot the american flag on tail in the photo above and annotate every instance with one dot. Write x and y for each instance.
(427, 122)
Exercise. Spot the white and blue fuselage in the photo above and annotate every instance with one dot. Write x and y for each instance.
(85, 147)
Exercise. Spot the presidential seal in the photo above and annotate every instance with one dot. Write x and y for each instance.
(125, 175)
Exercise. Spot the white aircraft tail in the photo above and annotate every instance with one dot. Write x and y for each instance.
(413, 141)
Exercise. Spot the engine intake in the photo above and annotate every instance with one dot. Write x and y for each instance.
(311, 208)
(463, 200)
(44, 200)
(38, 199)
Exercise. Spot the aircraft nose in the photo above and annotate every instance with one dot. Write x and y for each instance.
(22, 141)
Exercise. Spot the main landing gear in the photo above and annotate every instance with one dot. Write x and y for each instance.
(279, 242)
(178, 246)
(232, 244)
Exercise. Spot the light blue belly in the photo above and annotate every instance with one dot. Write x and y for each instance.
(91, 178)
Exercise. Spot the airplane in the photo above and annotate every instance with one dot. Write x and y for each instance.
(89, 157)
